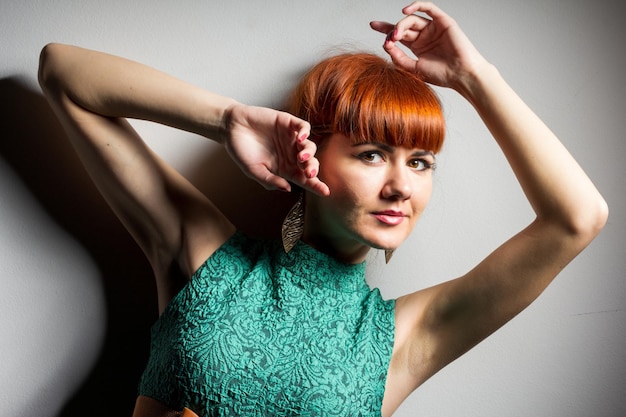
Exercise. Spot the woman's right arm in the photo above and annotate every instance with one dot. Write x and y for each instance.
(177, 227)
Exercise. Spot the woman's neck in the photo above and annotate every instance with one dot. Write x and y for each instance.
(345, 251)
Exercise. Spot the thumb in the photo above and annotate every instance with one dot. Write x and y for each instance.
(267, 179)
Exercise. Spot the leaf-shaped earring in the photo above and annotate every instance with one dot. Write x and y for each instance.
(293, 225)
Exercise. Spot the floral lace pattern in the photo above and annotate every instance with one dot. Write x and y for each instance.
(257, 332)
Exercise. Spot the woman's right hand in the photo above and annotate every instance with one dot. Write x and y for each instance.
(443, 55)
(272, 147)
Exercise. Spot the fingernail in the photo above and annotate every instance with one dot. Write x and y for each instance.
(313, 173)
(305, 157)
(302, 137)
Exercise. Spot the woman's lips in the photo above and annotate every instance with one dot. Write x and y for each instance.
(390, 217)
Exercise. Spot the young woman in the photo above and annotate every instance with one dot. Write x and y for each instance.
(263, 327)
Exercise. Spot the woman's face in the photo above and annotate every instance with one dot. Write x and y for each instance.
(377, 193)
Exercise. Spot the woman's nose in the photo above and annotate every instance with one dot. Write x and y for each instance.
(397, 184)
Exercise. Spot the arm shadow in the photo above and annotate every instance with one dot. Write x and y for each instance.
(34, 145)
(36, 148)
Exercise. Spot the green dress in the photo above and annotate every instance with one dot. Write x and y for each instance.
(258, 332)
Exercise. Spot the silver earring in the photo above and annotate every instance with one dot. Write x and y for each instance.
(293, 225)
(388, 255)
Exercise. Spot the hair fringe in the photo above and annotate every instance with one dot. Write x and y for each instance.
(368, 99)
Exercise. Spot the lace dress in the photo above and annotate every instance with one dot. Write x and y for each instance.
(257, 332)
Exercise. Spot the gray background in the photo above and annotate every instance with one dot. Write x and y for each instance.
(76, 295)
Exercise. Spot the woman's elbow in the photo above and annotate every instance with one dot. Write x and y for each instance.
(591, 219)
(48, 72)
(602, 215)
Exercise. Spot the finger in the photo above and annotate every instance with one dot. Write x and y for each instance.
(311, 167)
(306, 158)
(291, 129)
(429, 9)
(382, 27)
(306, 150)
(316, 186)
(301, 128)
(425, 7)
(307, 162)
(307, 177)
(408, 29)
(399, 57)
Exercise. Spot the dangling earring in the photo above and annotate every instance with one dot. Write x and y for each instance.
(388, 255)
(293, 225)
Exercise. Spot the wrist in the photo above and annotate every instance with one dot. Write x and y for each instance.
(226, 116)
(474, 81)
(217, 117)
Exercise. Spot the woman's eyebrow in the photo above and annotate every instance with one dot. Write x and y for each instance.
(380, 145)
(390, 148)
(424, 153)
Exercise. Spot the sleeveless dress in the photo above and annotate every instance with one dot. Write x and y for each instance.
(258, 332)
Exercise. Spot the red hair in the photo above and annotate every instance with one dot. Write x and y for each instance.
(369, 99)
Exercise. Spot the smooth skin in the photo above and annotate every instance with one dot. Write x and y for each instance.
(178, 227)
(437, 325)
(378, 194)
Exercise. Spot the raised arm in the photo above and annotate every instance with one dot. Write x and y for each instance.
(93, 93)
(443, 322)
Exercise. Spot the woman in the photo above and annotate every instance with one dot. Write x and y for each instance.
(250, 328)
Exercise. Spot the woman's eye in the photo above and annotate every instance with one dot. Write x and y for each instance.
(371, 157)
(421, 164)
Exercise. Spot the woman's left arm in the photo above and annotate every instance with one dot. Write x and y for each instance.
(452, 317)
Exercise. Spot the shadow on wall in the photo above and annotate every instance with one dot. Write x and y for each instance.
(35, 146)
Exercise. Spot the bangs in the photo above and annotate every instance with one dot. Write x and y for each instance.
(387, 107)
(368, 99)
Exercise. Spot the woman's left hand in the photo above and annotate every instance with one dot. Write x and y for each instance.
(272, 147)
(443, 54)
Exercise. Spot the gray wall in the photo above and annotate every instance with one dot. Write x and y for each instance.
(76, 296)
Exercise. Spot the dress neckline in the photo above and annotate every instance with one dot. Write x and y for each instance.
(307, 263)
